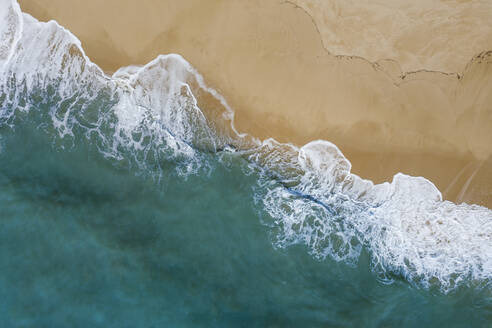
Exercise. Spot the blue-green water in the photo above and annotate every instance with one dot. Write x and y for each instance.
(125, 203)
(85, 244)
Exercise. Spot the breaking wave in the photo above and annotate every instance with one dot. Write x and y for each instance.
(148, 117)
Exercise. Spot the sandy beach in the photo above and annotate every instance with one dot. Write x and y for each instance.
(395, 91)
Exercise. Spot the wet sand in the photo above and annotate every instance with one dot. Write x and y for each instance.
(421, 34)
(278, 66)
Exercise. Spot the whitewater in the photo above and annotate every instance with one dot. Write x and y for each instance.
(148, 119)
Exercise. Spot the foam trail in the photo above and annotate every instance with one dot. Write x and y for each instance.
(151, 115)
(407, 227)
(148, 113)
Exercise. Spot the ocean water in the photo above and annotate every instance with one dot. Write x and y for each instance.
(131, 201)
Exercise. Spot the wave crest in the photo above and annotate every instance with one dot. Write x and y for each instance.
(407, 228)
(154, 114)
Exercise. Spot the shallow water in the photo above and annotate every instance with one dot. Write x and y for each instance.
(86, 244)
(123, 204)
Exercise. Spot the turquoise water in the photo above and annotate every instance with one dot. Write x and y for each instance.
(86, 244)
(125, 203)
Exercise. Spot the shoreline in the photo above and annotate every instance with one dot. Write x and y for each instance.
(269, 62)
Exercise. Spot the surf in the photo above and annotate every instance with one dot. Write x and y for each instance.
(146, 117)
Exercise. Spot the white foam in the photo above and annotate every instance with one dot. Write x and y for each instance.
(405, 225)
(10, 29)
(150, 113)
(154, 109)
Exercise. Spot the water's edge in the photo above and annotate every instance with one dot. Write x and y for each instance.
(147, 116)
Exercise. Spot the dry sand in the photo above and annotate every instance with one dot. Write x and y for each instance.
(277, 64)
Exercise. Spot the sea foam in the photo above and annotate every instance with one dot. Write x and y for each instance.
(407, 227)
(151, 114)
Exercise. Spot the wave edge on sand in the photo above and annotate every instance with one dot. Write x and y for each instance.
(152, 114)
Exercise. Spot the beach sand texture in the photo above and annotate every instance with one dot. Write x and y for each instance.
(405, 87)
